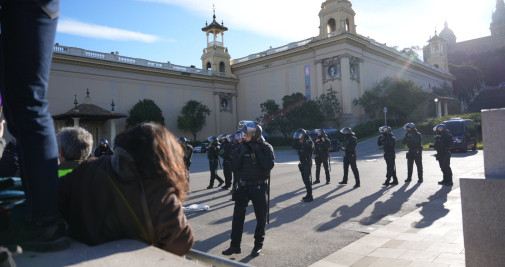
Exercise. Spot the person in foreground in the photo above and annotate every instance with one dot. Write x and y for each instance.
(136, 193)
(253, 161)
(74, 147)
(443, 145)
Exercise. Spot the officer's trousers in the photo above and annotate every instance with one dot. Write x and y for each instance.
(444, 160)
(324, 161)
(227, 173)
(213, 172)
(417, 157)
(390, 167)
(351, 160)
(258, 195)
(305, 170)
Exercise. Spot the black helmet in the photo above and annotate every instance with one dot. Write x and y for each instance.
(384, 129)
(319, 131)
(221, 137)
(182, 140)
(300, 134)
(346, 130)
(440, 128)
(251, 128)
(212, 139)
(409, 125)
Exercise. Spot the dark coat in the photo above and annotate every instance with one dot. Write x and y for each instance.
(101, 201)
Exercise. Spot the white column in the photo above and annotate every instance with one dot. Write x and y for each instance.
(446, 112)
(439, 108)
(76, 121)
(346, 86)
(112, 131)
(217, 111)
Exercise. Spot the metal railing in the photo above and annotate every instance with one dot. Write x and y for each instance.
(211, 260)
(74, 51)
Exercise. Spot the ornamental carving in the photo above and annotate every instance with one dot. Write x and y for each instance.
(331, 69)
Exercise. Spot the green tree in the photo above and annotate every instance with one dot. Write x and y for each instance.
(329, 106)
(271, 112)
(145, 111)
(193, 117)
(467, 78)
(401, 97)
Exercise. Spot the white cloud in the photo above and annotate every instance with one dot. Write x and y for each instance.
(74, 27)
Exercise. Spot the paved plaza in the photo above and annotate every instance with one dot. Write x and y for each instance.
(408, 224)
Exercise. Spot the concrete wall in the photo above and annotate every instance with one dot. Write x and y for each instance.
(493, 129)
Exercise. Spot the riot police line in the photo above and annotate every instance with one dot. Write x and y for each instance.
(248, 160)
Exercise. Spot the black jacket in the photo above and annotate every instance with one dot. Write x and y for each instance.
(253, 160)
(443, 143)
(350, 143)
(322, 148)
(388, 143)
(413, 139)
(305, 150)
(213, 151)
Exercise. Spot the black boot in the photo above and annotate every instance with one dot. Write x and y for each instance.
(343, 182)
(316, 181)
(231, 250)
(256, 251)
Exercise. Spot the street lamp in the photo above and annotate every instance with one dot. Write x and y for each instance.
(385, 111)
(436, 107)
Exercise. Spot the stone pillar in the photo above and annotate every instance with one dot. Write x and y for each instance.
(76, 122)
(439, 108)
(346, 86)
(446, 112)
(482, 204)
(319, 79)
(493, 128)
(112, 131)
(217, 112)
(234, 110)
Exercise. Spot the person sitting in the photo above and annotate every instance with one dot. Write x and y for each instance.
(136, 193)
(103, 149)
(74, 147)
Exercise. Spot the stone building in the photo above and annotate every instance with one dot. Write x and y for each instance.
(337, 58)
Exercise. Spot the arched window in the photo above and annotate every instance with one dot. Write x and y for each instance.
(208, 66)
(221, 67)
(347, 27)
(331, 26)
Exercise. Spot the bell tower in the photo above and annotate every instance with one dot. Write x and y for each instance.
(215, 56)
(435, 53)
(336, 17)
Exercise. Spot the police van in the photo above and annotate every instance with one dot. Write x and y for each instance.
(464, 134)
(333, 135)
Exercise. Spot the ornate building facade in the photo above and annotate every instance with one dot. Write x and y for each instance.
(337, 58)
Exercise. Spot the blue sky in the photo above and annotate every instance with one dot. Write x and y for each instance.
(170, 30)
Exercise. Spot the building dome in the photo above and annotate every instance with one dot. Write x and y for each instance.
(448, 35)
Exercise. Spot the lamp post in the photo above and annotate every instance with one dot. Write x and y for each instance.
(385, 111)
(436, 107)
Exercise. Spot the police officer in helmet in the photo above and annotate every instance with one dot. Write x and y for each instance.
(388, 142)
(104, 149)
(413, 139)
(349, 147)
(443, 145)
(252, 162)
(225, 153)
(305, 147)
(188, 151)
(322, 150)
(213, 156)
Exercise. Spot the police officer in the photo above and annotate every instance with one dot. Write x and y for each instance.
(443, 145)
(252, 162)
(225, 153)
(305, 147)
(388, 142)
(213, 156)
(413, 139)
(322, 151)
(238, 139)
(103, 149)
(188, 151)
(349, 147)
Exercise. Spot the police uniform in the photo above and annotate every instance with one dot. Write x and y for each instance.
(350, 143)
(213, 156)
(388, 142)
(225, 153)
(305, 150)
(413, 139)
(252, 162)
(322, 151)
(443, 145)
